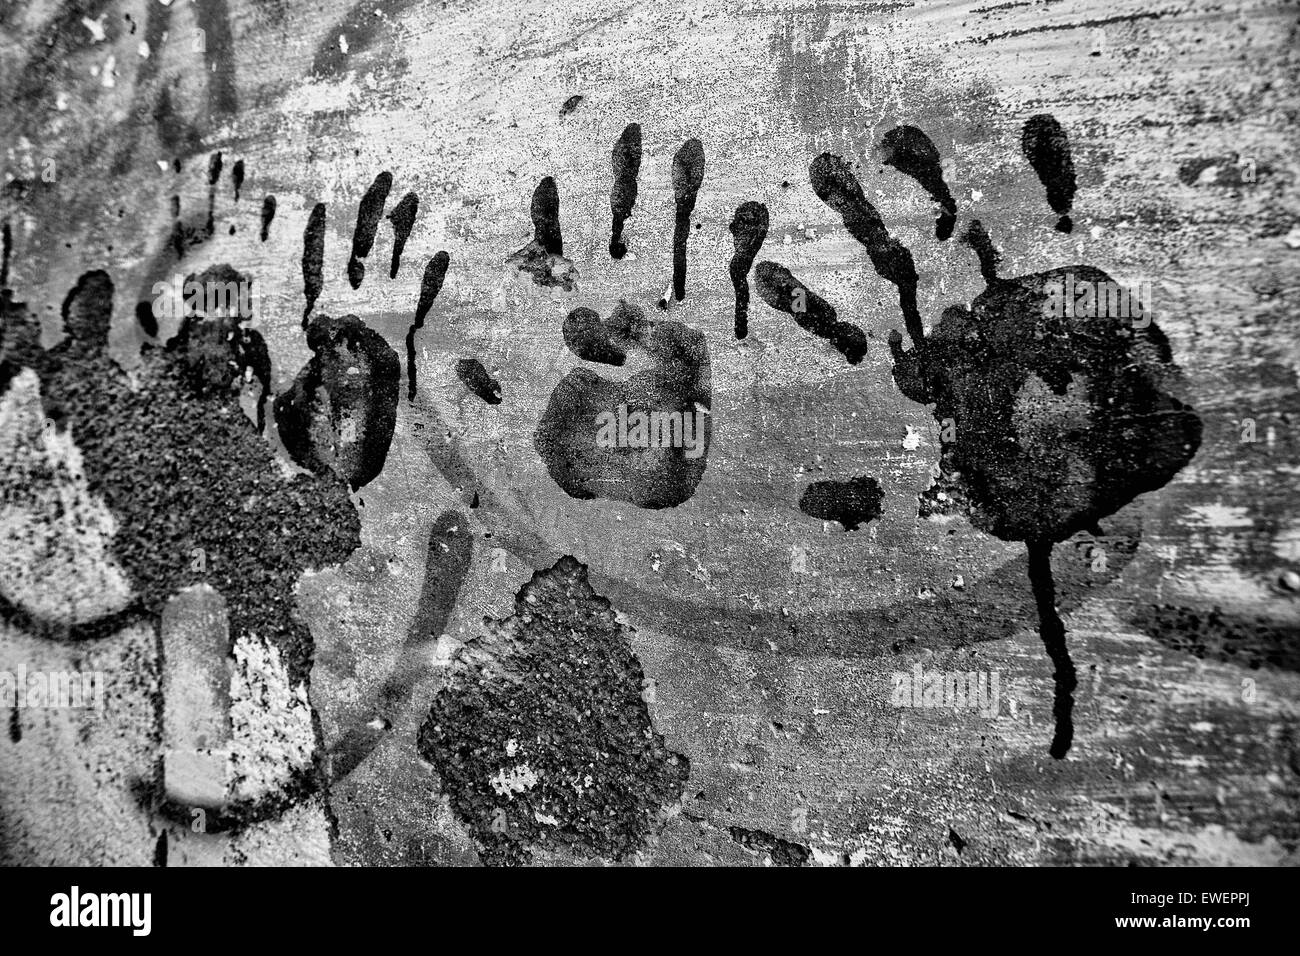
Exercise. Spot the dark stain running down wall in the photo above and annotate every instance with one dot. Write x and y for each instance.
(642, 424)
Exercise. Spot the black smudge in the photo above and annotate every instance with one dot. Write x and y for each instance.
(435, 271)
(1047, 148)
(363, 236)
(783, 852)
(268, 214)
(688, 175)
(555, 689)
(679, 381)
(748, 229)
(237, 177)
(783, 292)
(451, 545)
(835, 185)
(313, 259)
(403, 219)
(571, 104)
(339, 414)
(1052, 631)
(911, 152)
(851, 503)
(625, 160)
(476, 378)
(6, 250)
(588, 338)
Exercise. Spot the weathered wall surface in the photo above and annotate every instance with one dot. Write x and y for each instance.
(291, 624)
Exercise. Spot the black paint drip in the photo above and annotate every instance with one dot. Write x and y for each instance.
(403, 219)
(434, 274)
(748, 230)
(237, 177)
(268, 213)
(313, 259)
(571, 104)
(783, 292)
(688, 174)
(476, 378)
(912, 153)
(368, 215)
(851, 503)
(626, 163)
(6, 249)
(214, 173)
(1047, 148)
(835, 185)
(1052, 631)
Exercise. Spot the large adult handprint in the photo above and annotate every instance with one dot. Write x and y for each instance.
(1054, 416)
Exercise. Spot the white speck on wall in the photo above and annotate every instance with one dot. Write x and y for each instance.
(96, 27)
(143, 50)
(512, 747)
(108, 77)
(1220, 516)
(61, 102)
(343, 43)
(517, 780)
(912, 440)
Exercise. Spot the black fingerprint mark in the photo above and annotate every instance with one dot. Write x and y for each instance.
(1052, 631)
(835, 185)
(688, 174)
(368, 215)
(268, 214)
(571, 104)
(430, 285)
(912, 153)
(1047, 148)
(476, 378)
(589, 338)
(237, 177)
(543, 257)
(748, 229)
(313, 259)
(446, 564)
(15, 726)
(626, 163)
(783, 292)
(403, 219)
(851, 503)
(545, 213)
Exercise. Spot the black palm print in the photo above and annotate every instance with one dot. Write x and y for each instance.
(1051, 421)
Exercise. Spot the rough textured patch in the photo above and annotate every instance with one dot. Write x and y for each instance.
(542, 736)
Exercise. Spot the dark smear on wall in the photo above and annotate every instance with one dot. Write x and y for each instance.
(625, 160)
(835, 185)
(451, 544)
(313, 259)
(6, 250)
(912, 153)
(542, 737)
(571, 104)
(144, 315)
(213, 19)
(1057, 419)
(566, 436)
(782, 852)
(268, 214)
(362, 27)
(403, 219)
(1211, 634)
(15, 726)
(851, 503)
(543, 257)
(338, 416)
(588, 338)
(783, 292)
(183, 470)
(748, 229)
(214, 174)
(688, 175)
(212, 342)
(435, 271)
(476, 378)
(237, 177)
(368, 215)
(1047, 148)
